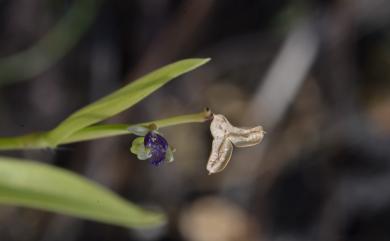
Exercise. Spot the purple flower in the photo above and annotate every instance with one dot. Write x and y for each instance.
(158, 147)
(151, 145)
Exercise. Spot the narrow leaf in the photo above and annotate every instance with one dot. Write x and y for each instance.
(37, 185)
(121, 99)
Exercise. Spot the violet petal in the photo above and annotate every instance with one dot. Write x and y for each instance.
(158, 147)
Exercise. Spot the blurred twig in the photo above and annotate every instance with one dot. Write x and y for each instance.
(175, 36)
(52, 47)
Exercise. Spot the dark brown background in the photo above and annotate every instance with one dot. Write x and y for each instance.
(314, 73)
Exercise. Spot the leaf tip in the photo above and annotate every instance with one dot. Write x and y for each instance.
(198, 61)
(155, 219)
(205, 60)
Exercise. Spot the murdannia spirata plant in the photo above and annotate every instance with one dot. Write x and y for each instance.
(37, 185)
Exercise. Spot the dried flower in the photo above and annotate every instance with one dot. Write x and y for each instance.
(225, 136)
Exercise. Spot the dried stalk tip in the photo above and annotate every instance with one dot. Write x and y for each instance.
(225, 136)
(152, 127)
(208, 114)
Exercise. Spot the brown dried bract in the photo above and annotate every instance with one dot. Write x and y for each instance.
(225, 134)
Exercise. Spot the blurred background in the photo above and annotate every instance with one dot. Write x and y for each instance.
(315, 74)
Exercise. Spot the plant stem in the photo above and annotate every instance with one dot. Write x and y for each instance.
(29, 141)
(38, 140)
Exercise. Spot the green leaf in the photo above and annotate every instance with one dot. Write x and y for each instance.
(37, 185)
(120, 100)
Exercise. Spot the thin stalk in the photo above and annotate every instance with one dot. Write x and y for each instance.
(38, 140)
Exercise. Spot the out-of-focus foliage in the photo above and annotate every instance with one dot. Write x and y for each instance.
(52, 47)
(37, 185)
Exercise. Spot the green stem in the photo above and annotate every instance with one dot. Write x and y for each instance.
(38, 140)
(29, 141)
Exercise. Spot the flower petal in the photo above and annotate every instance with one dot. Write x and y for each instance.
(155, 141)
(157, 158)
(158, 147)
(169, 155)
(138, 148)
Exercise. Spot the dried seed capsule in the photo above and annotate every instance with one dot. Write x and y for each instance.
(220, 155)
(224, 135)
